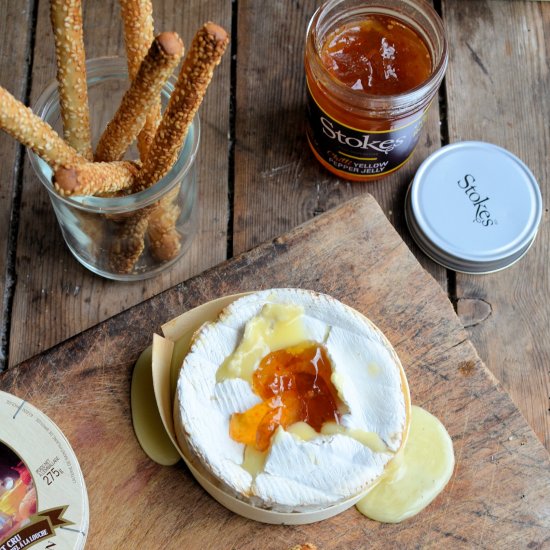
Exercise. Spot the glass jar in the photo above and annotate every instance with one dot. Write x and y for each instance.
(356, 135)
(89, 224)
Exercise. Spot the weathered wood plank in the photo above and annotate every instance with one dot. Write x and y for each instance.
(497, 497)
(278, 182)
(498, 84)
(61, 297)
(15, 30)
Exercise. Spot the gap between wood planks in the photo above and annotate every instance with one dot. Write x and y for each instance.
(444, 140)
(13, 230)
(232, 126)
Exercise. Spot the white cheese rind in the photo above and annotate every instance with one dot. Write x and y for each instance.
(298, 475)
(325, 470)
(369, 407)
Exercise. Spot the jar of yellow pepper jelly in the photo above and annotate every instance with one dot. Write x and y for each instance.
(372, 70)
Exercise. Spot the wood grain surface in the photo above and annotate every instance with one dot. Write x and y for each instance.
(497, 497)
(512, 310)
(257, 177)
(15, 30)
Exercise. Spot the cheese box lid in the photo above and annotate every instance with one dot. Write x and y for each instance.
(473, 207)
(43, 498)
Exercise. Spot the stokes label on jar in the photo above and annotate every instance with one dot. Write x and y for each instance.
(357, 152)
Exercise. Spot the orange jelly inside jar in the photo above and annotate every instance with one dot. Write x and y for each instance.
(378, 55)
(370, 79)
(295, 386)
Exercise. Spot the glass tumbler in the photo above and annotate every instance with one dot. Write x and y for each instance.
(90, 224)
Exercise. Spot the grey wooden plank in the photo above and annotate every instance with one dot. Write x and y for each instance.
(498, 92)
(16, 32)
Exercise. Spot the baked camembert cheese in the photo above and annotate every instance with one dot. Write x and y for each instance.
(292, 401)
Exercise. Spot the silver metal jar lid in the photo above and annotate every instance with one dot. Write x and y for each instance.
(473, 207)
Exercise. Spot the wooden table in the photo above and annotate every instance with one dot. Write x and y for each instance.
(258, 179)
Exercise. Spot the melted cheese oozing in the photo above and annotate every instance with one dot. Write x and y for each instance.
(370, 439)
(416, 476)
(303, 431)
(254, 460)
(277, 326)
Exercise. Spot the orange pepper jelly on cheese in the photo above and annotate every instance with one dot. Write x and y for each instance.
(370, 77)
(295, 386)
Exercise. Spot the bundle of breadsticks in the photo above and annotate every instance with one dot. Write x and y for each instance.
(160, 136)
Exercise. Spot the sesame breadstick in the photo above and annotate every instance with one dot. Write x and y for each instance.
(128, 244)
(137, 16)
(155, 69)
(164, 239)
(29, 129)
(92, 178)
(205, 53)
(66, 18)
(147, 134)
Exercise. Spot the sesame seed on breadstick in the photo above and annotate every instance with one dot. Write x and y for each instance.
(128, 244)
(92, 178)
(167, 245)
(155, 69)
(147, 134)
(197, 70)
(30, 130)
(66, 18)
(137, 16)
(164, 238)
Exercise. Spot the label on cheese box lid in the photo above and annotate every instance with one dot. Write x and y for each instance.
(43, 499)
